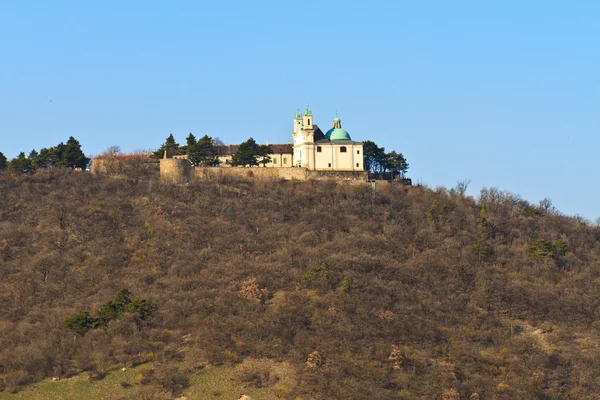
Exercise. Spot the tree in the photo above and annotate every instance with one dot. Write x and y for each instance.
(112, 150)
(375, 159)
(370, 150)
(33, 159)
(263, 154)
(73, 156)
(20, 163)
(46, 158)
(80, 324)
(218, 142)
(170, 145)
(203, 152)
(247, 154)
(3, 163)
(190, 141)
(397, 163)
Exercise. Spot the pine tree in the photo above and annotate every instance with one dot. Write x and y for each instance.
(20, 163)
(73, 156)
(3, 161)
(264, 154)
(247, 154)
(33, 159)
(397, 163)
(203, 152)
(190, 141)
(170, 145)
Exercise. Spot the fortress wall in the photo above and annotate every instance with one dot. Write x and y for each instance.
(214, 173)
(299, 174)
(99, 166)
(339, 175)
(180, 171)
(175, 171)
(117, 166)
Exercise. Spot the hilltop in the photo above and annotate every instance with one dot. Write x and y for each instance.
(402, 293)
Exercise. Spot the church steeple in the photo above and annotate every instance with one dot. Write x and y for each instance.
(297, 122)
(308, 119)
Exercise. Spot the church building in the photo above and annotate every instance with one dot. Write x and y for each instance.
(333, 150)
(311, 149)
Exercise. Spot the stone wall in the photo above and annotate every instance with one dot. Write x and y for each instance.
(214, 173)
(175, 171)
(339, 175)
(301, 174)
(121, 166)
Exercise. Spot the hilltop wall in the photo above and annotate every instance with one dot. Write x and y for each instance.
(300, 174)
(123, 166)
(180, 171)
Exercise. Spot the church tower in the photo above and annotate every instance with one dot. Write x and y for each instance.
(297, 122)
(308, 119)
(304, 139)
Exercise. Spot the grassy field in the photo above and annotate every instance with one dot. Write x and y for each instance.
(209, 383)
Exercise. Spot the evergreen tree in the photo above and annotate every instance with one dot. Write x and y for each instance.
(3, 161)
(80, 324)
(190, 141)
(46, 158)
(397, 163)
(57, 155)
(20, 163)
(375, 159)
(264, 154)
(33, 159)
(170, 145)
(247, 154)
(73, 156)
(203, 152)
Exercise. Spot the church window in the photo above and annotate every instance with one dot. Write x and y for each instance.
(357, 151)
(309, 121)
(343, 149)
(356, 165)
(329, 165)
(318, 149)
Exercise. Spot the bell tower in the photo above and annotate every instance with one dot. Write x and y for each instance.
(308, 119)
(297, 122)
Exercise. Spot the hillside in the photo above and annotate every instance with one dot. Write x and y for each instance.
(405, 293)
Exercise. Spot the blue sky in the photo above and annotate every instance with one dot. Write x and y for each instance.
(506, 94)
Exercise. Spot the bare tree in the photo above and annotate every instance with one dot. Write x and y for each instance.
(461, 186)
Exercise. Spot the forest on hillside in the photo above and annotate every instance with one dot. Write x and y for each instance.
(402, 293)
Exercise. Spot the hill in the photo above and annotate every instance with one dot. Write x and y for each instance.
(402, 293)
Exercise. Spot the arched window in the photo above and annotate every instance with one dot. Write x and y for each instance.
(318, 149)
(343, 149)
(309, 121)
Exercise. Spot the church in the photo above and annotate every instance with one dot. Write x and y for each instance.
(334, 150)
(311, 149)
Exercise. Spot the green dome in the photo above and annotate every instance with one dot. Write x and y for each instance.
(336, 119)
(337, 134)
(298, 115)
(307, 112)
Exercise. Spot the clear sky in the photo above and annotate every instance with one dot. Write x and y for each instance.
(504, 94)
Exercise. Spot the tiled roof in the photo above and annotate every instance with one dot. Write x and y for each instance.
(233, 148)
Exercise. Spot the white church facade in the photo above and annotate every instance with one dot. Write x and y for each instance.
(333, 150)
